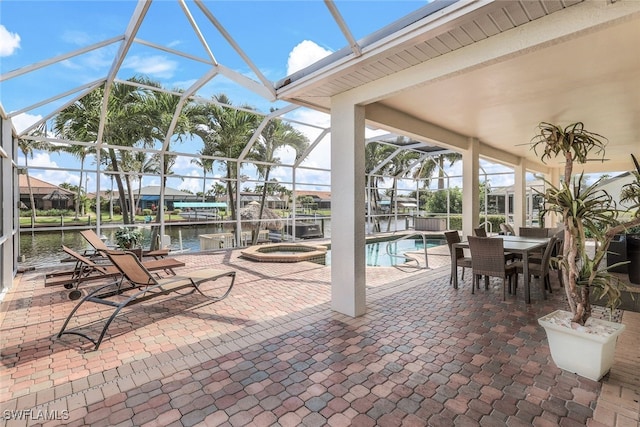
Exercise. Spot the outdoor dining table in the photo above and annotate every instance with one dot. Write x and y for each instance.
(514, 244)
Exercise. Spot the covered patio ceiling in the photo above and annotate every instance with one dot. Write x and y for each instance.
(493, 71)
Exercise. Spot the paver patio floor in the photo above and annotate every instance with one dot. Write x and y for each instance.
(274, 353)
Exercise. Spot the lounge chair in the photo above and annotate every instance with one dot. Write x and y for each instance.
(87, 269)
(101, 248)
(138, 284)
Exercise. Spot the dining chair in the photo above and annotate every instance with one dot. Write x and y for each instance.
(507, 229)
(509, 256)
(480, 232)
(488, 260)
(462, 261)
(533, 232)
(539, 270)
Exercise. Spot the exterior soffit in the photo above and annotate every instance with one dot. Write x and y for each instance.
(558, 27)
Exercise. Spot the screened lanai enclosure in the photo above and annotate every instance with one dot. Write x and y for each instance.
(360, 116)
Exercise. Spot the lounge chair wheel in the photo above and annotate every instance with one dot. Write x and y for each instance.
(68, 285)
(74, 295)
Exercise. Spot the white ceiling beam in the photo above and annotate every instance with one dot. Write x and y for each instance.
(196, 29)
(385, 161)
(267, 84)
(263, 124)
(57, 110)
(148, 87)
(248, 83)
(91, 85)
(183, 98)
(310, 148)
(129, 36)
(51, 61)
(172, 51)
(398, 122)
(353, 44)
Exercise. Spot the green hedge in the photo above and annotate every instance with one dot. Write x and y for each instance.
(455, 221)
(49, 212)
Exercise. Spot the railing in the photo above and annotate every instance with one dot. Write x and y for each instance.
(482, 224)
(405, 237)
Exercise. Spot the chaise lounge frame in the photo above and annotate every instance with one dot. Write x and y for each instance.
(140, 282)
(101, 248)
(87, 269)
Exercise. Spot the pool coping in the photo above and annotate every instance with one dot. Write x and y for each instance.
(263, 253)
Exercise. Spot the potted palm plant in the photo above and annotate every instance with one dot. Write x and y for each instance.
(585, 211)
(128, 238)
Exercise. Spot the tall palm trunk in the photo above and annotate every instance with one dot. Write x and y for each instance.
(375, 199)
(256, 232)
(131, 198)
(123, 201)
(230, 192)
(31, 199)
(441, 173)
(139, 193)
(395, 185)
(79, 192)
(204, 186)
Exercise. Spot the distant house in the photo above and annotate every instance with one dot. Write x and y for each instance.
(322, 199)
(273, 202)
(45, 195)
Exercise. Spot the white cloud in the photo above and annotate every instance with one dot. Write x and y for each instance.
(305, 54)
(9, 42)
(23, 121)
(193, 184)
(75, 37)
(156, 65)
(55, 175)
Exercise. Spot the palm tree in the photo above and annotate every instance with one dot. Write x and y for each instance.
(399, 167)
(66, 125)
(206, 164)
(124, 125)
(144, 163)
(162, 108)
(227, 130)
(428, 168)
(375, 154)
(27, 146)
(276, 134)
(218, 190)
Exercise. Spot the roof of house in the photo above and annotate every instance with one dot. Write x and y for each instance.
(38, 186)
(154, 190)
(322, 195)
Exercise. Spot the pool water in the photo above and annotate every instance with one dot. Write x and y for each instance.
(376, 253)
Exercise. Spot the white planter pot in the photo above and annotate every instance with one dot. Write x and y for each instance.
(587, 351)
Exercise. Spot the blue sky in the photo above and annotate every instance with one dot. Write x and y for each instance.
(279, 37)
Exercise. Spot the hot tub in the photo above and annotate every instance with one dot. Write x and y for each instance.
(286, 252)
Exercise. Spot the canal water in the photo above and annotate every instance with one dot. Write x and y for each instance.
(44, 248)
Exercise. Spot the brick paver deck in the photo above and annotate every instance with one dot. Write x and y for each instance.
(273, 353)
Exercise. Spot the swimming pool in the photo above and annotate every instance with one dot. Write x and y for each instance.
(376, 252)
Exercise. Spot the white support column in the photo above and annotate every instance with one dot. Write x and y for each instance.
(9, 238)
(519, 195)
(348, 292)
(470, 187)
